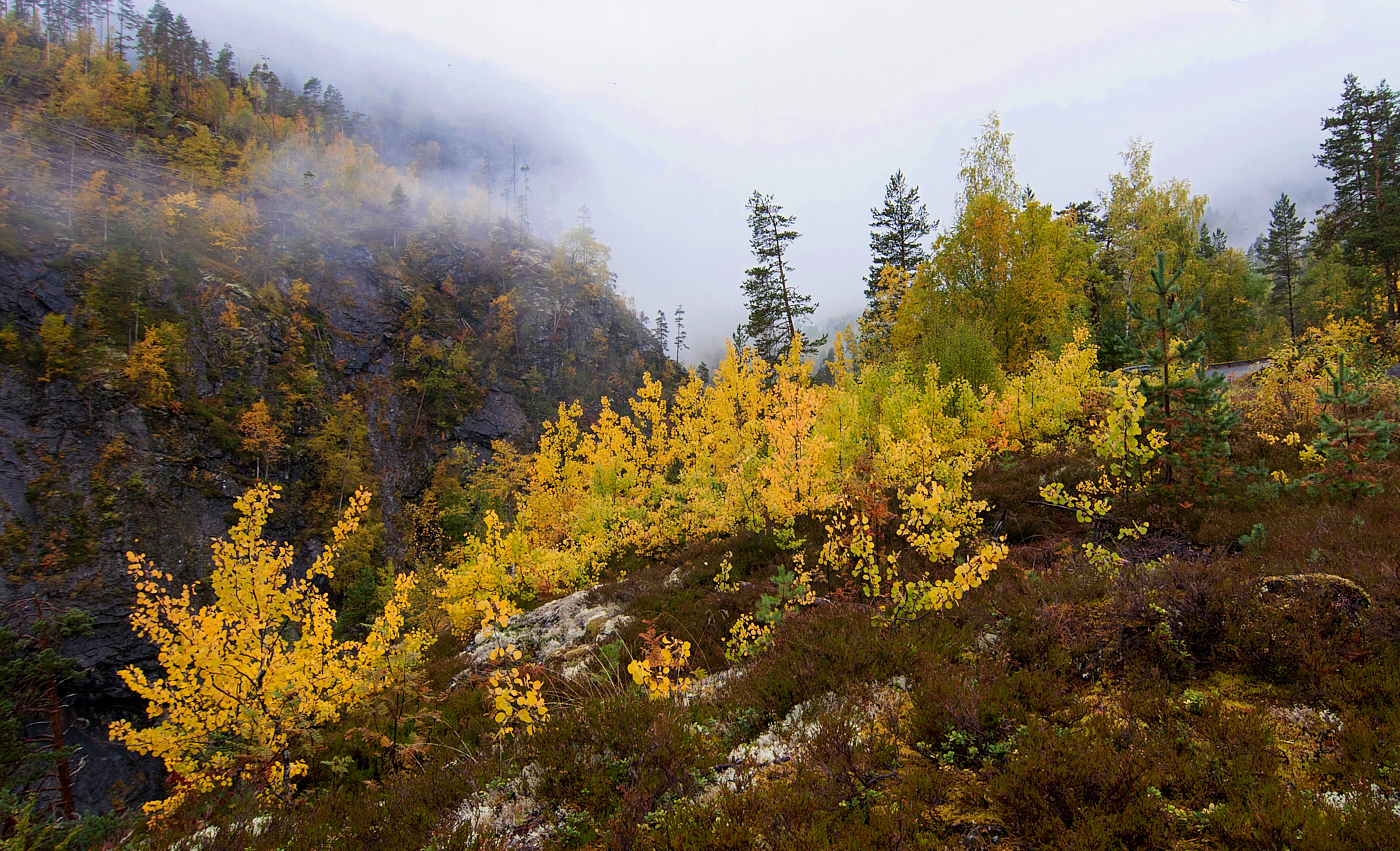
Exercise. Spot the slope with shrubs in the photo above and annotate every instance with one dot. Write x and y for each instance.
(207, 281)
(1068, 610)
(895, 612)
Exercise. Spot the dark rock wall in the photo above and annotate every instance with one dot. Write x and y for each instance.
(86, 475)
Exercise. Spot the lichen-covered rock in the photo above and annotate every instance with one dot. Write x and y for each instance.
(786, 740)
(552, 630)
(511, 815)
(1337, 591)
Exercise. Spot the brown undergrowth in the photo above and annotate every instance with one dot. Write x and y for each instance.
(1188, 702)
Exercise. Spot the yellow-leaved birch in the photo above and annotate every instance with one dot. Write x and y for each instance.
(247, 676)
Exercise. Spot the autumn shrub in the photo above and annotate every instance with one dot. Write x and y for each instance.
(1283, 396)
(1048, 405)
(616, 757)
(966, 714)
(1212, 754)
(762, 448)
(662, 669)
(1129, 451)
(825, 648)
(252, 675)
(850, 746)
(1081, 787)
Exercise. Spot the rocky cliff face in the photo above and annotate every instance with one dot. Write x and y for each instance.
(87, 474)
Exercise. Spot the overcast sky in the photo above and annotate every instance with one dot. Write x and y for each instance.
(663, 117)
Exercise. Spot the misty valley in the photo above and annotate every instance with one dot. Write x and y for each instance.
(350, 497)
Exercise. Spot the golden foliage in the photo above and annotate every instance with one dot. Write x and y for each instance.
(759, 447)
(261, 436)
(1126, 453)
(145, 375)
(248, 676)
(662, 670)
(515, 697)
(56, 337)
(1046, 403)
(1283, 397)
(938, 522)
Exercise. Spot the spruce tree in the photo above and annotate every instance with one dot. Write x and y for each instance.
(1183, 402)
(777, 311)
(1281, 253)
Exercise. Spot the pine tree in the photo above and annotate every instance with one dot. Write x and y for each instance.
(333, 110)
(508, 187)
(777, 311)
(128, 22)
(311, 97)
(1349, 444)
(897, 233)
(1184, 403)
(1362, 151)
(896, 241)
(34, 676)
(663, 332)
(488, 182)
(522, 201)
(1281, 256)
(399, 205)
(679, 318)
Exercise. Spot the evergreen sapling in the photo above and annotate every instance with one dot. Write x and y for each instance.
(1350, 444)
(1184, 403)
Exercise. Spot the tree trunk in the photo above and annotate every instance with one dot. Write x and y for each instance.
(782, 279)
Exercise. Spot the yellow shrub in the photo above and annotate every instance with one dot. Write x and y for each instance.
(253, 672)
(1046, 404)
(1283, 397)
(515, 698)
(662, 670)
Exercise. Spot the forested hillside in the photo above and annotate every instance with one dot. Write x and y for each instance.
(1018, 564)
(210, 279)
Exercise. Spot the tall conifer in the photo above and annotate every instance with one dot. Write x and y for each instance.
(1183, 402)
(679, 318)
(663, 331)
(777, 311)
(1362, 150)
(1282, 255)
(897, 232)
(896, 240)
